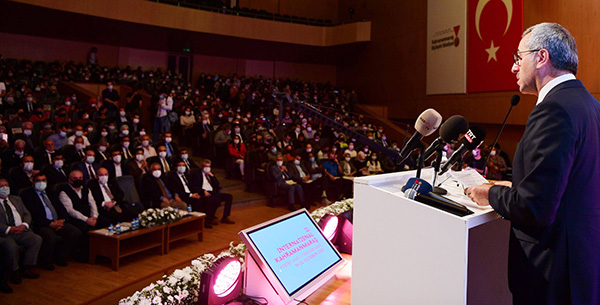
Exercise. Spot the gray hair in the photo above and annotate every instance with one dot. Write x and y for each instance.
(558, 41)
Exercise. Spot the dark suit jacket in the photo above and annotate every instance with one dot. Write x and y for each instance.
(197, 179)
(83, 167)
(175, 185)
(294, 173)
(71, 155)
(554, 204)
(173, 145)
(29, 145)
(36, 207)
(18, 180)
(275, 174)
(21, 209)
(151, 190)
(110, 167)
(54, 176)
(116, 191)
(124, 156)
(9, 160)
(156, 159)
(41, 157)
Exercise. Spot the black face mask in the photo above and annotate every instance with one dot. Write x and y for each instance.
(77, 183)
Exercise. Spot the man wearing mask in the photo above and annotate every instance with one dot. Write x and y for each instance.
(115, 165)
(102, 152)
(22, 177)
(28, 105)
(301, 175)
(149, 151)
(180, 182)
(15, 232)
(88, 166)
(282, 177)
(78, 134)
(75, 153)
(210, 191)
(156, 191)
(12, 158)
(123, 148)
(189, 163)
(162, 159)
(161, 119)
(109, 198)
(167, 142)
(58, 172)
(50, 222)
(60, 137)
(31, 141)
(111, 98)
(44, 156)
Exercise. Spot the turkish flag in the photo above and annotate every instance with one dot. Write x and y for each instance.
(493, 34)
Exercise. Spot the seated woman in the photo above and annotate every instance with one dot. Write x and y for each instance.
(237, 150)
(374, 165)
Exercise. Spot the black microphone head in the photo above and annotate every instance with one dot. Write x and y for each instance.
(474, 136)
(455, 126)
(514, 100)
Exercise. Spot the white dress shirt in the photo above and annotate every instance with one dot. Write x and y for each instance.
(66, 201)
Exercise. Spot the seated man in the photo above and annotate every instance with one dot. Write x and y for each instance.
(170, 146)
(279, 173)
(59, 237)
(189, 163)
(156, 191)
(15, 221)
(57, 172)
(88, 167)
(80, 204)
(21, 177)
(75, 153)
(115, 166)
(333, 178)
(179, 182)
(301, 175)
(161, 159)
(210, 190)
(44, 156)
(109, 198)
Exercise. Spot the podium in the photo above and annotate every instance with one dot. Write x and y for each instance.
(406, 252)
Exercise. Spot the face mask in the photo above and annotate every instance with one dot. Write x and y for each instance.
(62, 134)
(274, 150)
(237, 130)
(103, 179)
(384, 138)
(308, 150)
(59, 163)
(279, 163)
(109, 87)
(90, 129)
(90, 159)
(28, 166)
(168, 139)
(67, 103)
(348, 159)
(135, 121)
(19, 153)
(78, 146)
(111, 127)
(181, 169)
(297, 129)
(204, 122)
(366, 151)
(102, 148)
(40, 186)
(77, 183)
(206, 170)
(117, 158)
(122, 113)
(125, 132)
(297, 162)
(334, 149)
(371, 138)
(184, 156)
(79, 133)
(156, 174)
(351, 147)
(27, 132)
(312, 159)
(142, 133)
(4, 191)
(309, 129)
(316, 139)
(162, 154)
(139, 158)
(145, 143)
(104, 133)
(493, 153)
(126, 144)
(188, 113)
(374, 158)
(29, 99)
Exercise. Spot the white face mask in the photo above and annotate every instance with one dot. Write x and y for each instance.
(27, 132)
(102, 148)
(135, 121)
(279, 163)
(28, 166)
(104, 133)
(79, 146)
(126, 144)
(297, 162)
(122, 113)
(125, 132)
(90, 159)
(139, 158)
(59, 163)
(206, 170)
(236, 141)
(237, 130)
(142, 133)
(103, 179)
(168, 139)
(4, 191)
(79, 133)
(493, 153)
(184, 156)
(117, 158)
(62, 134)
(181, 169)
(348, 159)
(40, 186)
(162, 154)
(156, 173)
(145, 143)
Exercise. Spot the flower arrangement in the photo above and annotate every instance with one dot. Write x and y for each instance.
(183, 285)
(335, 208)
(156, 217)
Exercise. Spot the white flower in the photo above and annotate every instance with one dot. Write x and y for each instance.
(157, 300)
(166, 289)
(144, 302)
(170, 298)
(178, 273)
(184, 294)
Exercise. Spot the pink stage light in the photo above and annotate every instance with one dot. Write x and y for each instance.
(227, 279)
(222, 282)
(331, 227)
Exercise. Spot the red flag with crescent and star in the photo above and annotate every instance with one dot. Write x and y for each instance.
(494, 31)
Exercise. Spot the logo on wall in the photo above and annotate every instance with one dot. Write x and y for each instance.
(494, 32)
(445, 38)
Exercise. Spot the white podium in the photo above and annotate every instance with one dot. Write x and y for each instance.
(406, 252)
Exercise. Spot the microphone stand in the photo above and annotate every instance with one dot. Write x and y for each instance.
(498, 135)
(420, 162)
(436, 169)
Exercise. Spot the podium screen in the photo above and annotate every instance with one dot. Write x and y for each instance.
(294, 248)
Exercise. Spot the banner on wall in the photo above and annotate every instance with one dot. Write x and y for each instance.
(446, 46)
(470, 45)
(494, 32)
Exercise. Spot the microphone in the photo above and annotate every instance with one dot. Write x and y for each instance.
(426, 124)
(419, 190)
(474, 136)
(514, 101)
(450, 131)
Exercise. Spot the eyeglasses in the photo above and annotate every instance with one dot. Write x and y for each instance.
(517, 58)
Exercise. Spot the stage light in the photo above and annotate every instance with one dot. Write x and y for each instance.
(329, 225)
(222, 282)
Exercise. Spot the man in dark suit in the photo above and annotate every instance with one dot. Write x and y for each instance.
(58, 172)
(156, 191)
(12, 157)
(76, 152)
(280, 174)
(15, 232)
(31, 141)
(180, 183)
(88, 166)
(43, 156)
(59, 237)
(301, 175)
(22, 177)
(210, 191)
(189, 163)
(101, 152)
(162, 159)
(170, 146)
(553, 202)
(123, 147)
(115, 166)
(109, 198)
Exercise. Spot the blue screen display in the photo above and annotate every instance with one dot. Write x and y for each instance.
(295, 250)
